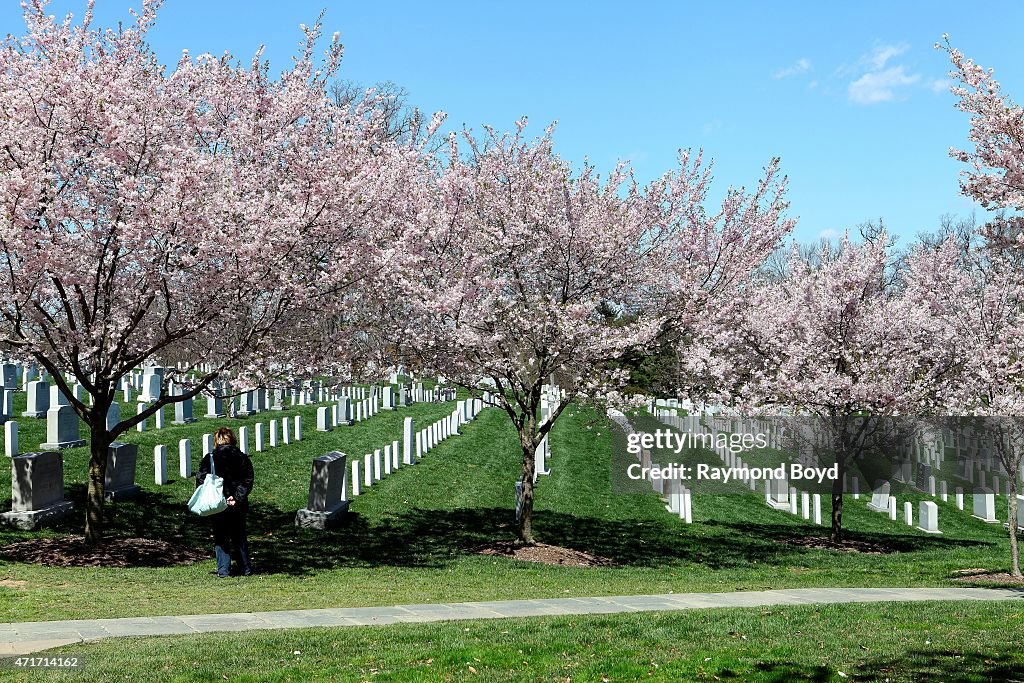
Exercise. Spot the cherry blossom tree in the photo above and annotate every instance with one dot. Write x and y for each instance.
(203, 212)
(973, 291)
(977, 288)
(521, 270)
(996, 175)
(837, 340)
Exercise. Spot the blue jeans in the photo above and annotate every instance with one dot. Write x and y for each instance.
(229, 530)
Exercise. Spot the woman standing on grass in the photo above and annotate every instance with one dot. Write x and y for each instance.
(229, 526)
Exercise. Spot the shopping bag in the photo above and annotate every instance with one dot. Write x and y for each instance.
(209, 498)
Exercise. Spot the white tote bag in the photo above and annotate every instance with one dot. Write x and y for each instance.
(209, 497)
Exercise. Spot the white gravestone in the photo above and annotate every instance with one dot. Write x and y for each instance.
(62, 429)
(408, 454)
(929, 514)
(11, 439)
(185, 458)
(323, 419)
(880, 498)
(37, 399)
(160, 464)
(985, 505)
(355, 477)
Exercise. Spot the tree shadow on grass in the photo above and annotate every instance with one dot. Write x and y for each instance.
(161, 516)
(913, 665)
(781, 672)
(414, 537)
(942, 665)
(896, 542)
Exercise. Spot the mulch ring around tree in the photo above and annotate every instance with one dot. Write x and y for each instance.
(72, 551)
(545, 554)
(846, 545)
(986, 577)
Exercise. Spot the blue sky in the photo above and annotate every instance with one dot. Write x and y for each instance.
(851, 96)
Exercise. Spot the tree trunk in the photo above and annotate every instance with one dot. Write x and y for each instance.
(525, 529)
(837, 516)
(1014, 548)
(839, 485)
(99, 443)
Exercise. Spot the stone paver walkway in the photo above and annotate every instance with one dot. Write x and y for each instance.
(25, 637)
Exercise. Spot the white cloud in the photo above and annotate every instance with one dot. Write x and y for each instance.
(801, 66)
(878, 57)
(880, 86)
(879, 76)
(828, 234)
(940, 85)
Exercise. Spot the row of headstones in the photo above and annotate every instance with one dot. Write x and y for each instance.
(882, 501)
(415, 445)
(37, 479)
(678, 498)
(778, 495)
(927, 449)
(975, 471)
(672, 406)
(344, 411)
(63, 427)
(37, 485)
(974, 458)
(983, 503)
(63, 424)
(148, 382)
(10, 373)
(695, 424)
(331, 487)
(924, 481)
(277, 437)
(550, 396)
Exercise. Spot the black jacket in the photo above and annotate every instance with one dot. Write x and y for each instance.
(234, 466)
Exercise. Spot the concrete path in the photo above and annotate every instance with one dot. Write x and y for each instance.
(26, 637)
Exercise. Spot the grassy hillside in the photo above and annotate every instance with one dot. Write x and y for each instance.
(411, 537)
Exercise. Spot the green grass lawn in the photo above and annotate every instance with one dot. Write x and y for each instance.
(875, 642)
(411, 537)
